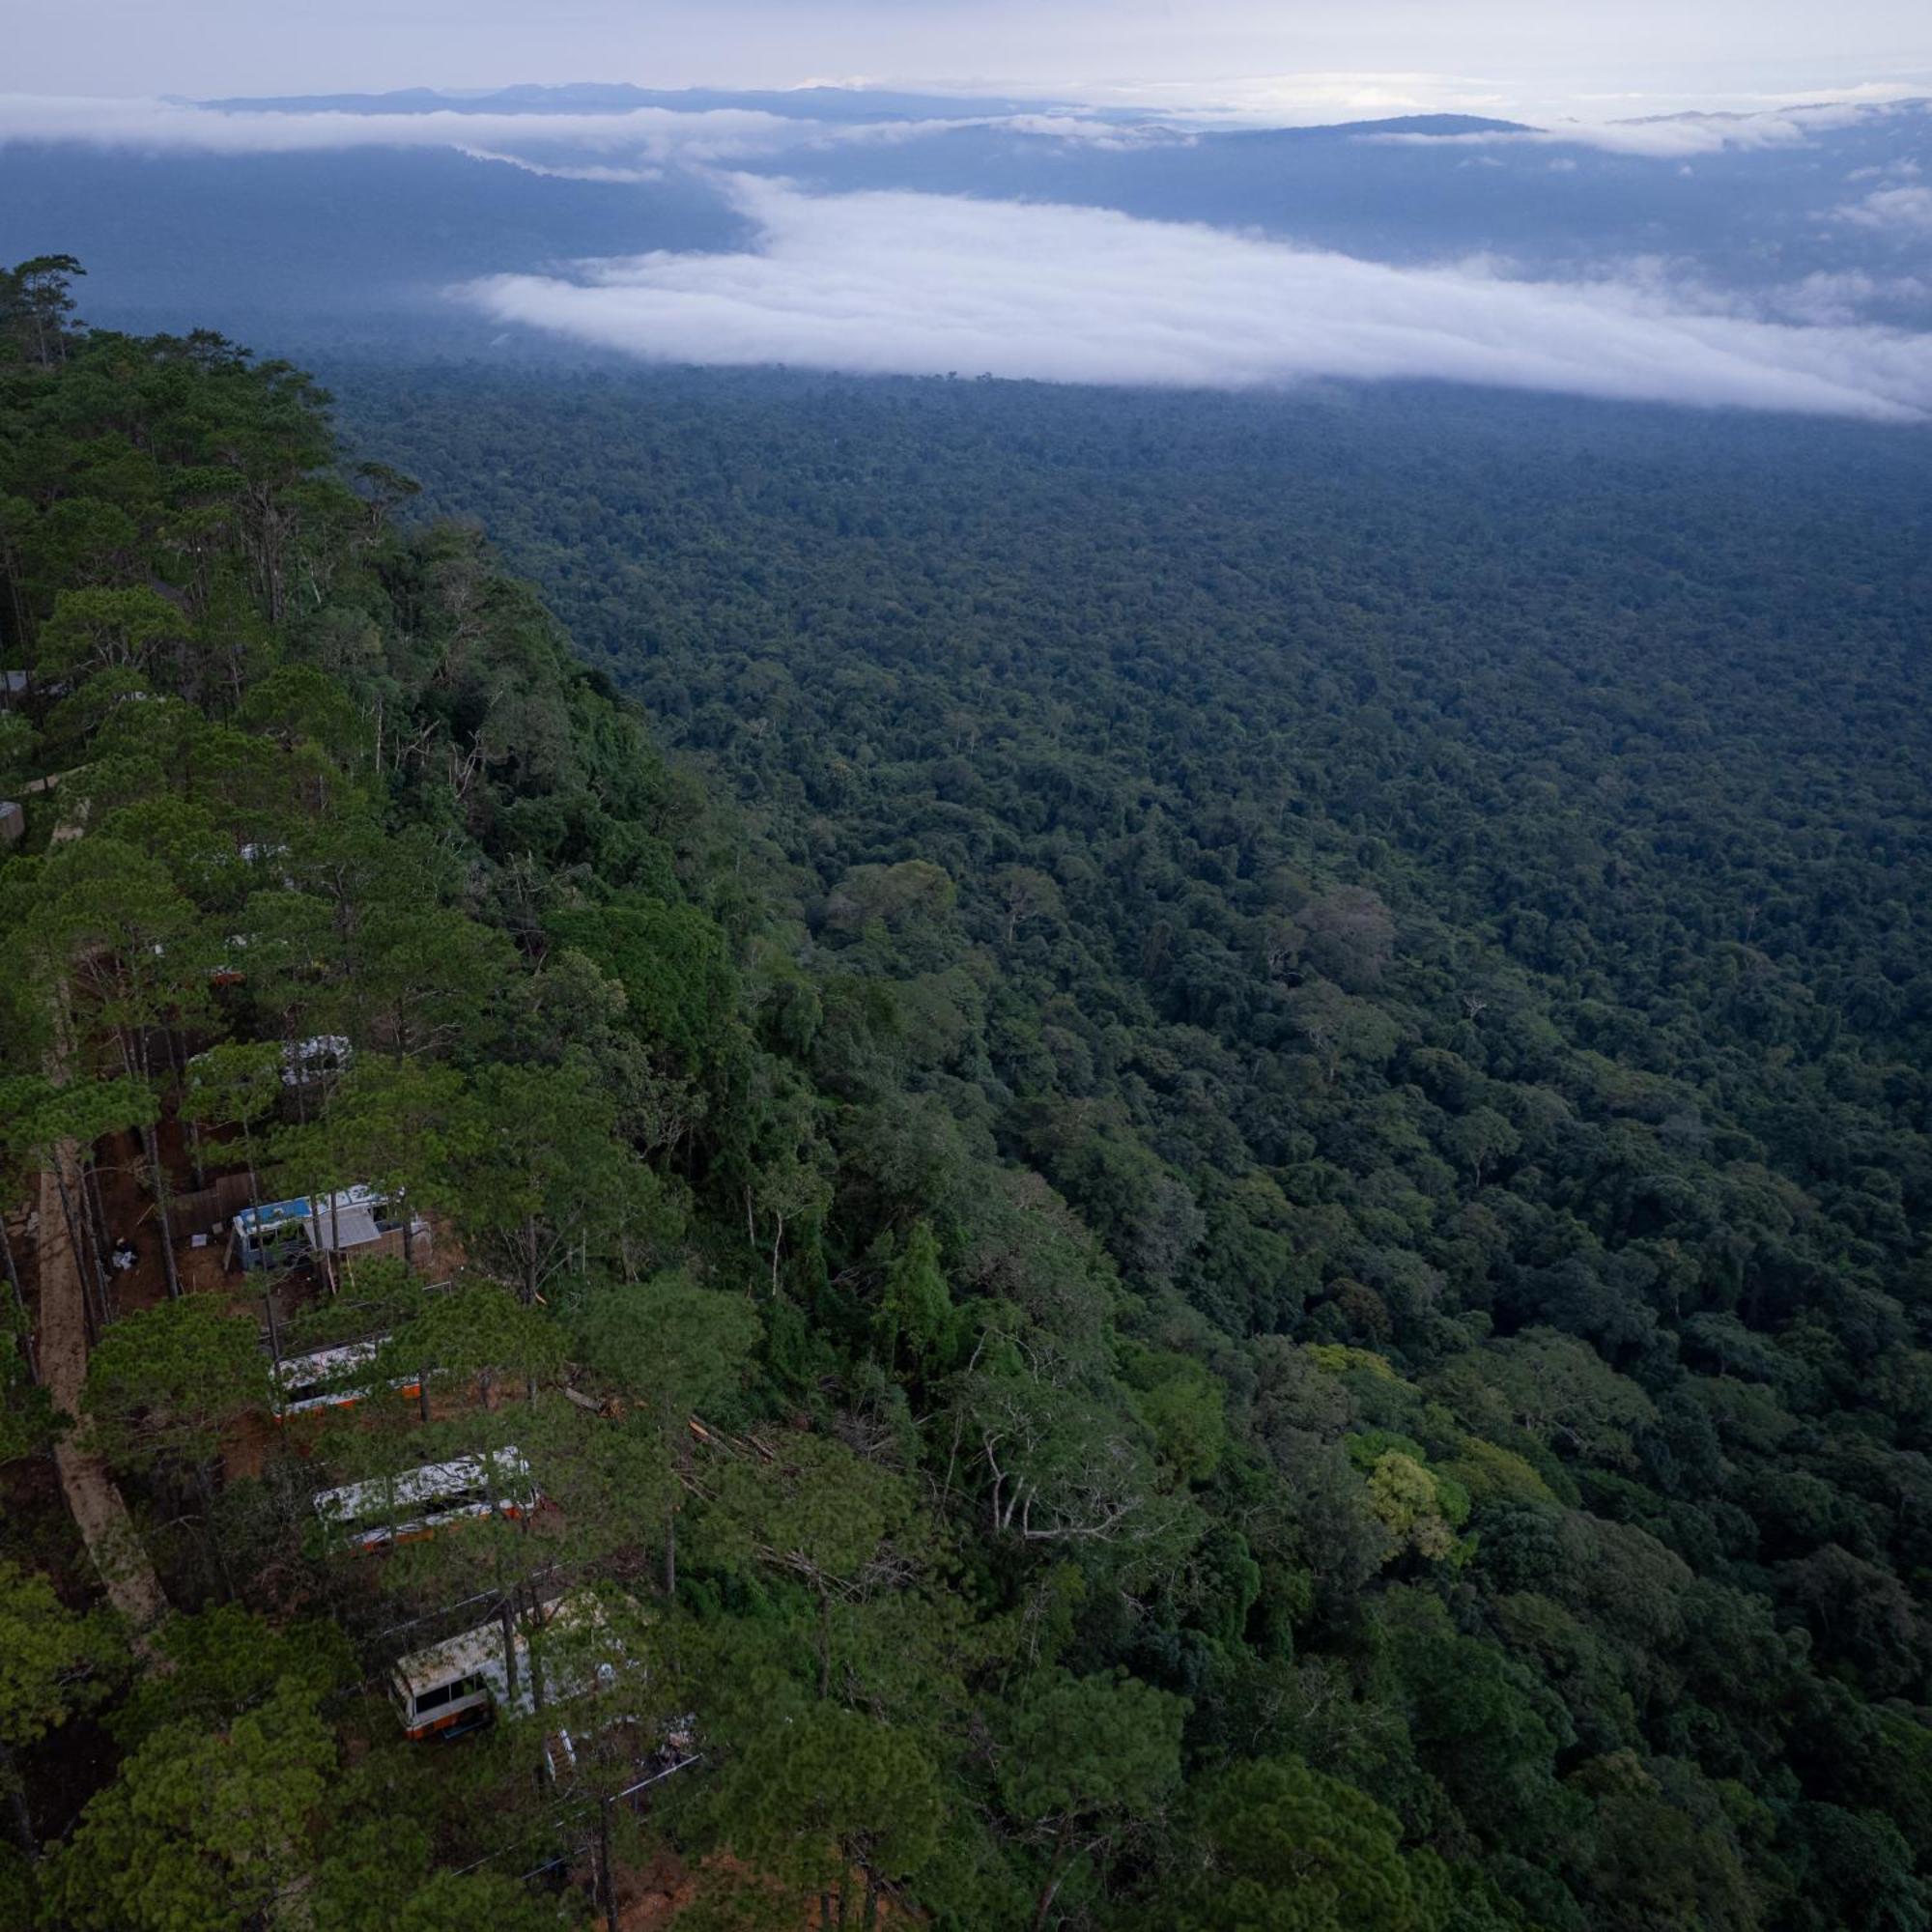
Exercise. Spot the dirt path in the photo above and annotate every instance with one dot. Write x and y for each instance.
(96, 1504)
(98, 1507)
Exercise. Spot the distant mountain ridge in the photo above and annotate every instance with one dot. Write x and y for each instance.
(800, 103)
(1445, 126)
(856, 105)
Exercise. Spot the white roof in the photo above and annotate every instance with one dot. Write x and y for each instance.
(345, 1227)
(302, 1057)
(318, 1209)
(355, 1500)
(477, 1652)
(480, 1652)
(291, 1371)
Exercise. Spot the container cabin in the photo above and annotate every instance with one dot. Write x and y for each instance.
(462, 1682)
(331, 1379)
(369, 1517)
(279, 1233)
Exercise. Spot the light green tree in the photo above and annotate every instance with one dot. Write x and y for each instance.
(1282, 1848)
(400, 1125)
(826, 1797)
(165, 1383)
(235, 1082)
(676, 1348)
(1085, 1759)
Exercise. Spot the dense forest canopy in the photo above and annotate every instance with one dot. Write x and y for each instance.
(1208, 1212)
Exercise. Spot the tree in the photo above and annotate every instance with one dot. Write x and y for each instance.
(37, 308)
(1480, 1138)
(114, 941)
(476, 1331)
(1088, 1758)
(678, 1349)
(202, 1831)
(166, 1383)
(1349, 936)
(545, 1183)
(378, 1876)
(418, 976)
(674, 966)
(1409, 1502)
(101, 629)
(57, 1127)
(916, 1317)
(1284, 1849)
(1024, 893)
(238, 1082)
(400, 1125)
(828, 1792)
(818, 1515)
(1058, 1466)
(218, 1663)
(53, 1663)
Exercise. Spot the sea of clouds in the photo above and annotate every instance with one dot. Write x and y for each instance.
(905, 282)
(892, 280)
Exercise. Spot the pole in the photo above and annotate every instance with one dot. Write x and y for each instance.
(508, 1611)
(608, 1875)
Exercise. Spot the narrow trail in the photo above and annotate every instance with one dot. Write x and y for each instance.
(92, 1496)
(94, 1501)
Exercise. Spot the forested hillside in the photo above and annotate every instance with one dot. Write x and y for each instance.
(1229, 1233)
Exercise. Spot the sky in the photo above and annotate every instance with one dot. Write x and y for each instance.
(890, 279)
(1308, 60)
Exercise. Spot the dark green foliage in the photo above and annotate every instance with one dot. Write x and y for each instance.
(1246, 1249)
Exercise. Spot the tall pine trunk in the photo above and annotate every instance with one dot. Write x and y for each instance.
(16, 1802)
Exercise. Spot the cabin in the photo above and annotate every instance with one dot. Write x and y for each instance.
(13, 821)
(371, 1515)
(279, 1233)
(457, 1685)
(454, 1686)
(332, 1378)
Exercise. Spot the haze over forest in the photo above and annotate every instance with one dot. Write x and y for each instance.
(968, 966)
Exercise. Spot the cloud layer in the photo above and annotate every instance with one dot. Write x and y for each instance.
(1667, 137)
(718, 136)
(1908, 208)
(651, 135)
(918, 284)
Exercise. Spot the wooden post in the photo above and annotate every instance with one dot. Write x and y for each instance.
(508, 1612)
(608, 1875)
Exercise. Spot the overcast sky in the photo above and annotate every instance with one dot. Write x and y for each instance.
(1297, 59)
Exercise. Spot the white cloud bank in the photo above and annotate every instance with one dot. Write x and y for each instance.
(720, 135)
(1909, 208)
(919, 284)
(651, 135)
(1669, 138)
